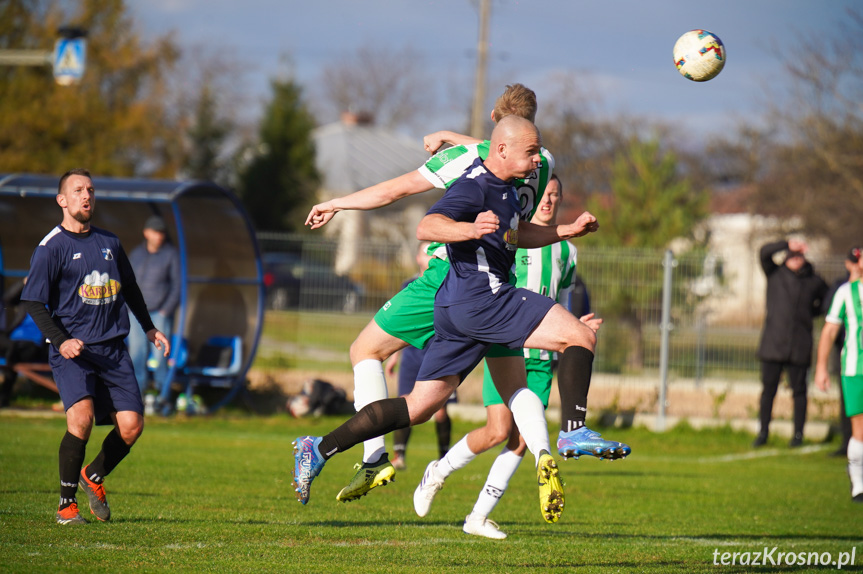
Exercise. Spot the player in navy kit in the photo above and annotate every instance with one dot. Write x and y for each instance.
(476, 306)
(79, 284)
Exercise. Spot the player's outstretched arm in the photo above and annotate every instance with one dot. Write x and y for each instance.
(531, 235)
(825, 343)
(440, 228)
(433, 142)
(373, 197)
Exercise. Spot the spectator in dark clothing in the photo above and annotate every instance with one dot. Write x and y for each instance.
(852, 274)
(794, 298)
(157, 268)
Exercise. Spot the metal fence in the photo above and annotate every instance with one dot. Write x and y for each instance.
(712, 332)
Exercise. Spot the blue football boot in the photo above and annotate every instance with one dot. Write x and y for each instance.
(583, 441)
(308, 463)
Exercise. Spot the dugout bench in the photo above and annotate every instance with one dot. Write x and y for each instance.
(218, 324)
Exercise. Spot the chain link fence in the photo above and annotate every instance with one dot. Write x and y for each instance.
(713, 325)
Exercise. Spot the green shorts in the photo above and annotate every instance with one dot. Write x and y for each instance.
(409, 315)
(852, 393)
(501, 351)
(539, 376)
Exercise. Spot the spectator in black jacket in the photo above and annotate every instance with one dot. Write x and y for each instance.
(794, 297)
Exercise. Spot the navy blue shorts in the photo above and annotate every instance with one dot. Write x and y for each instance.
(409, 366)
(104, 372)
(464, 332)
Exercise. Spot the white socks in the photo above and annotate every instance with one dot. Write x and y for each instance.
(529, 415)
(855, 465)
(501, 471)
(457, 457)
(370, 385)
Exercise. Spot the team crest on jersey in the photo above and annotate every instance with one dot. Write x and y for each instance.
(98, 288)
(510, 237)
(107, 254)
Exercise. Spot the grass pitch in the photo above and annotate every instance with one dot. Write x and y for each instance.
(214, 495)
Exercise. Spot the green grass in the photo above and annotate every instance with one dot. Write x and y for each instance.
(214, 494)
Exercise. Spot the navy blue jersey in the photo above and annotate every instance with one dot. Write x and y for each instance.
(80, 280)
(479, 266)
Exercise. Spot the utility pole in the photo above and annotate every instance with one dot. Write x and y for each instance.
(478, 114)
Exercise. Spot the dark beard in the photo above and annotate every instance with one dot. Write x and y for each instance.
(83, 217)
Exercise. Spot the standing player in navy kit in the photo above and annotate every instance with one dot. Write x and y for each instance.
(79, 284)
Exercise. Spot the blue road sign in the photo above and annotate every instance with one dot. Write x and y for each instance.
(70, 58)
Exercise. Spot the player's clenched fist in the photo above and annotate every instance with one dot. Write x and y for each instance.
(486, 222)
(584, 224)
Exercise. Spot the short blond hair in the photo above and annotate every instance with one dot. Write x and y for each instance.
(517, 100)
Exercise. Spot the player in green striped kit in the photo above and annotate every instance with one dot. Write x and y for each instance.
(408, 318)
(847, 308)
(550, 271)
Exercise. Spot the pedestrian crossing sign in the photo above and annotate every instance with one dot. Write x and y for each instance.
(69, 60)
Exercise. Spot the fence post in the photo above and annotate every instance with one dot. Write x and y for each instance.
(665, 327)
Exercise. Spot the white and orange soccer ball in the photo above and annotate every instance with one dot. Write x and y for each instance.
(699, 55)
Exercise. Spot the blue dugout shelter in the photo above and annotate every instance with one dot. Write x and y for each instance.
(219, 320)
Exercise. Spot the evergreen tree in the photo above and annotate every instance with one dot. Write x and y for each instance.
(206, 139)
(278, 183)
(651, 204)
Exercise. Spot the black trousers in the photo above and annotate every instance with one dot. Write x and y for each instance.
(771, 373)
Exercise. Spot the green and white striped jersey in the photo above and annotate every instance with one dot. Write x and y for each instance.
(847, 308)
(446, 166)
(549, 271)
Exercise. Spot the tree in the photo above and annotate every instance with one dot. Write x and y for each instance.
(278, 181)
(651, 204)
(117, 121)
(387, 84)
(206, 139)
(812, 165)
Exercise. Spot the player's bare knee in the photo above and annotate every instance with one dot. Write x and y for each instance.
(517, 446)
(419, 410)
(80, 424)
(131, 431)
(498, 435)
(80, 427)
(357, 353)
(441, 416)
(581, 337)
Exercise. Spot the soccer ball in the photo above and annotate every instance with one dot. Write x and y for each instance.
(699, 55)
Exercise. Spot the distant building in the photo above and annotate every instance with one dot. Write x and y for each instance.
(733, 278)
(353, 154)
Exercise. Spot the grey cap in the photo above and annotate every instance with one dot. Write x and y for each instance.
(156, 223)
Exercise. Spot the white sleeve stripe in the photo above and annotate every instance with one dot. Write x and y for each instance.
(53, 232)
(482, 265)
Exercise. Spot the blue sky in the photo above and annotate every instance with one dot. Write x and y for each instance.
(619, 50)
